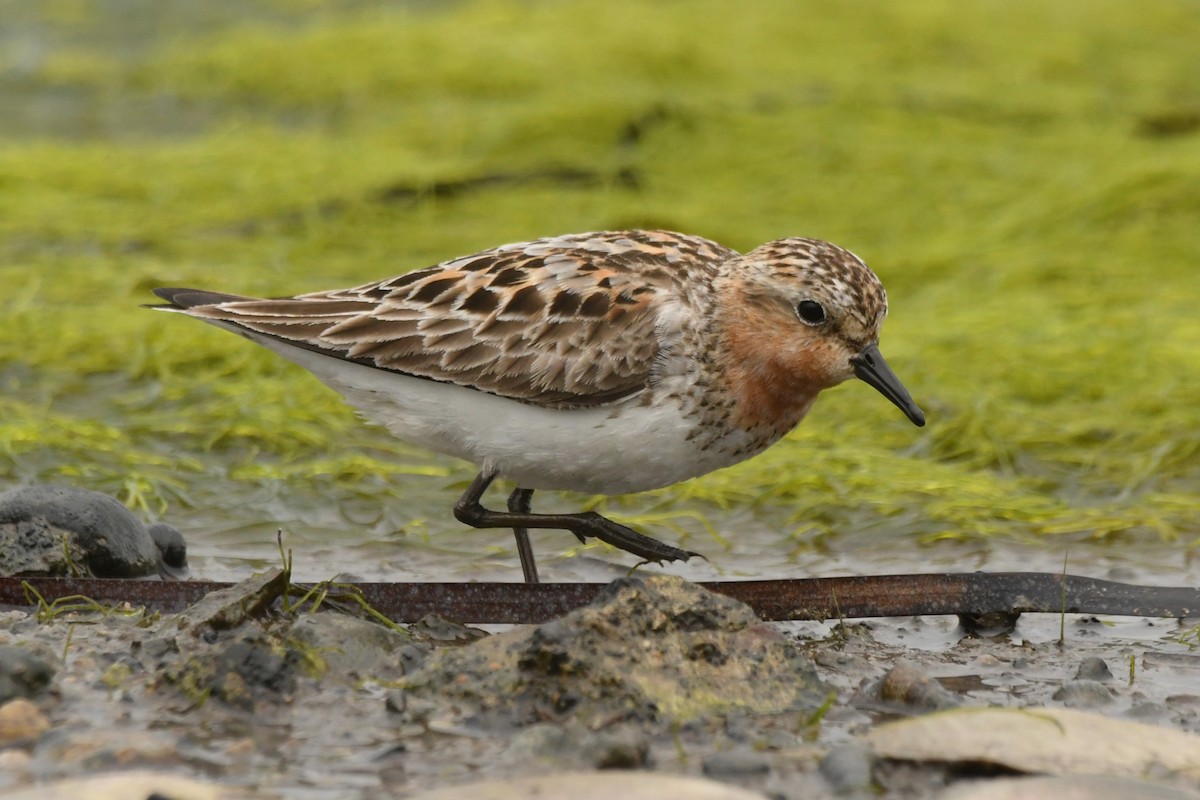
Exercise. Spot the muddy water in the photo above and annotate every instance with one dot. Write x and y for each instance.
(361, 538)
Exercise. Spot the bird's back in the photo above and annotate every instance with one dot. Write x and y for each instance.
(562, 322)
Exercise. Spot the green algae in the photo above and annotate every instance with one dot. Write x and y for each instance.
(1023, 178)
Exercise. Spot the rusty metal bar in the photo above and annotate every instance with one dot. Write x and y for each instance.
(787, 599)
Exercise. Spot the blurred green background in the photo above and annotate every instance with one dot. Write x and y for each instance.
(1024, 177)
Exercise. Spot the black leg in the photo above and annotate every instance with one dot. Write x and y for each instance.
(519, 503)
(468, 509)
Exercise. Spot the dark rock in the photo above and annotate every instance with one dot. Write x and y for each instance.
(1084, 694)
(994, 623)
(623, 748)
(172, 551)
(245, 671)
(22, 673)
(102, 538)
(258, 662)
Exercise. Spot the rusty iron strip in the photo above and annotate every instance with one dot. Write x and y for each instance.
(786, 599)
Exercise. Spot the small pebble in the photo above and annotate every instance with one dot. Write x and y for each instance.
(1094, 668)
(21, 721)
(1084, 694)
(736, 764)
(847, 768)
(990, 624)
(22, 673)
(908, 685)
(13, 761)
(625, 748)
(172, 551)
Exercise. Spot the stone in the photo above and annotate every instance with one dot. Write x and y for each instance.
(1084, 694)
(61, 530)
(21, 721)
(228, 608)
(654, 649)
(907, 685)
(436, 629)
(572, 746)
(128, 785)
(1094, 668)
(1052, 741)
(347, 646)
(22, 673)
(847, 768)
(172, 551)
(605, 785)
(735, 765)
(250, 667)
(1084, 787)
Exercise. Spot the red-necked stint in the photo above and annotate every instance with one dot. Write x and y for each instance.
(604, 363)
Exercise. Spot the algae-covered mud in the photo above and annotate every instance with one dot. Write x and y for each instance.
(1021, 177)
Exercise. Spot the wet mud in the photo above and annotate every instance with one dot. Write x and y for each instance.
(657, 677)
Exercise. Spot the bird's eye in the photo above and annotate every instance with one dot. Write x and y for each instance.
(810, 312)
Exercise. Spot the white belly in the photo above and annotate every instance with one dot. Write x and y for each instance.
(623, 447)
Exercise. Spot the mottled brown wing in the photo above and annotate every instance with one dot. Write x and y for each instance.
(561, 322)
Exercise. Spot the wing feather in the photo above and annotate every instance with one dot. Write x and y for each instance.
(561, 322)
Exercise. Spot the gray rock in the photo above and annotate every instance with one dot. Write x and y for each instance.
(1094, 668)
(625, 747)
(1084, 694)
(103, 539)
(655, 649)
(228, 608)
(22, 673)
(572, 746)
(847, 768)
(347, 646)
(436, 629)
(907, 685)
(735, 764)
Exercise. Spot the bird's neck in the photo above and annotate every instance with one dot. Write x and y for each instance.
(766, 380)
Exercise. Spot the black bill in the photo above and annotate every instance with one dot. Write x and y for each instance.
(870, 367)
